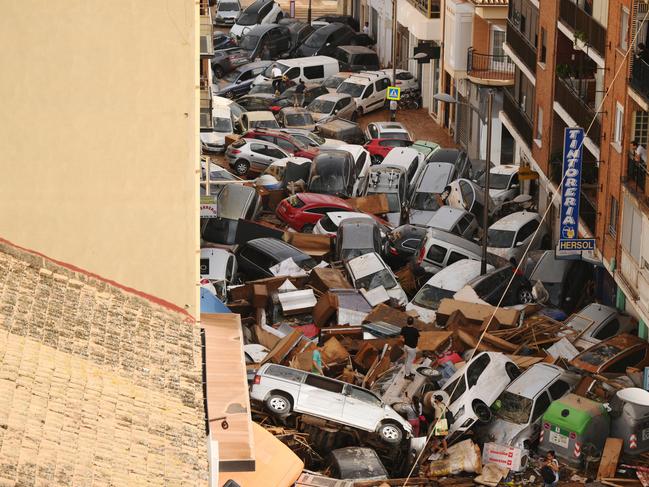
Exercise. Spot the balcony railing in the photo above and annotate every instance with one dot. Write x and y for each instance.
(636, 176)
(489, 66)
(518, 118)
(582, 22)
(430, 8)
(523, 49)
(572, 99)
(640, 78)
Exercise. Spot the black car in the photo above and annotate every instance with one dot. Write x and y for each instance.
(221, 40)
(256, 257)
(357, 58)
(325, 40)
(491, 287)
(403, 243)
(299, 33)
(458, 158)
(332, 172)
(227, 60)
(311, 92)
(256, 102)
(266, 41)
(343, 19)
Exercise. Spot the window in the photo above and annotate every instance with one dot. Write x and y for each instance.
(257, 148)
(368, 91)
(544, 49)
(373, 131)
(624, 29)
(608, 330)
(405, 75)
(324, 383)
(631, 229)
(292, 73)
(314, 72)
(526, 231)
(497, 40)
(620, 365)
(619, 124)
(436, 253)
(360, 162)
(272, 152)
(541, 405)
(285, 373)
(539, 124)
(559, 389)
(457, 387)
(246, 75)
(454, 257)
(286, 145)
(464, 223)
(612, 217)
(411, 243)
(641, 128)
(254, 256)
(362, 395)
(382, 84)
(476, 368)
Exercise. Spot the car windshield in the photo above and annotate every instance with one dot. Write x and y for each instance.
(600, 355)
(394, 203)
(381, 278)
(228, 7)
(321, 106)
(222, 124)
(328, 180)
(299, 119)
(496, 181)
(425, 202)
(232, 76)
(265, 124)
(429, 296)
(248, 17)
(317, 39)
(514, 408)
(352, 89)
(332, 82)
(263, 89)
(249, 42)
(317, 139)
(503, 239)
(395, 135)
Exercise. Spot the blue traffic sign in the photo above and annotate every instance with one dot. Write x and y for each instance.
(393, 93)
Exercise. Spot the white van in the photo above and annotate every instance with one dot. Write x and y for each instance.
(368, 88)
(312, 69)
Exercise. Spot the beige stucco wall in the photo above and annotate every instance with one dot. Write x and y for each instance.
(98, 138)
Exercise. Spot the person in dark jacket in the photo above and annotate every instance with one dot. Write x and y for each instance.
(410, 339)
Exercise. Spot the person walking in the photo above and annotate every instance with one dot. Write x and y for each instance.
(440, 425)
(298, 96)
(393, 110)
(276, 74)
(550, 470)
(316, 359)
(410, 338)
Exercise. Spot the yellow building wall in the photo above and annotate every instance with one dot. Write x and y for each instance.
(99, 147)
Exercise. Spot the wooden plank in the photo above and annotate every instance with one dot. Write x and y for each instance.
(283, 347)
(610, 458)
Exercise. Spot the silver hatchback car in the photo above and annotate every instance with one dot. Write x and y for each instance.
(246, 154)
(284, 390)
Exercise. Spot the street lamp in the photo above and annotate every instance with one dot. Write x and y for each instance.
(446, 98)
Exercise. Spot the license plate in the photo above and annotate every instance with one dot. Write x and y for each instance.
(645, 434)
(559, 439)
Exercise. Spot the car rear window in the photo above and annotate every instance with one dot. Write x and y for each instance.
(285, 373)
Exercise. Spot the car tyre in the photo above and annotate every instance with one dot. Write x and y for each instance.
(512, 371)
(428, 372)
(524, 295)
(280, 16)
(278, 404)
(391, 433)
(241, 167)
(482, 411)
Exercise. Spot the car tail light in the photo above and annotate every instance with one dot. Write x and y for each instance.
(422, 253)
(257, 380)
(275, 108)
(393, 251)
(235, 151)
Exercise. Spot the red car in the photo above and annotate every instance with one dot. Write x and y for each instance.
(303, 210)
(379, 148)
(284, 141)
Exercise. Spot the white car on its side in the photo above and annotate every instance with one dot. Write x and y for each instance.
(368, 271)
(503, 183)
(471, 391)
(442, 285)
(257, 13)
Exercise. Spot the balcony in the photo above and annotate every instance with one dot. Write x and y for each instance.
(576, 96)
(520, 46)
(489, 69)
(583, 25)
(517, 117)
(206, 42)
(640, 78)
(636, 177)
(430, 8)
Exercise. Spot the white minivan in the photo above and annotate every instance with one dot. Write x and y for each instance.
(368, 88)
(283, 390)
(312, 69)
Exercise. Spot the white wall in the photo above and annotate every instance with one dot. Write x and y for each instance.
(457, 38)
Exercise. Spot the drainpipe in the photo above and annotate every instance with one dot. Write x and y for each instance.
(442, 75)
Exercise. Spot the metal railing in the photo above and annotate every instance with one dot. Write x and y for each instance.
(489, 66)
(430, 8)
(582, 22)
(636, 175)
(579, 109)
(521, 46)
(518, 118)
(640, 78)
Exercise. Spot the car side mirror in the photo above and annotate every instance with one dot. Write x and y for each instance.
(328, 44)
(238, 81)
(518, 244)
(514, 186)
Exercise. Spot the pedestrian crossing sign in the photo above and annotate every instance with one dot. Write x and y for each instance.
(394, 93)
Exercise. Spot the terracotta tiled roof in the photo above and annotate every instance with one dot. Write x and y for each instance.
(97, 386)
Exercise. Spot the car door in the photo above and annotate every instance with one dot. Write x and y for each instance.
(366, 98)
(264, 154)
(377, 100)
(322, 397)
(242, 85)
(362, 409)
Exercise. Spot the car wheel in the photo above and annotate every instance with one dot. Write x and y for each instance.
(241, 167)
(278, 404)
(428, 372)
(307, 228)
(280, 16)
(218, 72)
(390, 433)
(482, 411)
(512, 370)
(525, 295)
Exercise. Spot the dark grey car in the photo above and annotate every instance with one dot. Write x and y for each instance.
(238, 82)
(256, 257)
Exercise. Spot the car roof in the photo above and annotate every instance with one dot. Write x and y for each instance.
(333, 26)
(293, 110)
(505, 169)
(514, 221)
(333, 96)
(402, 156)
(357, 49)
(354, 149)
(534, 380)
(364, 78)
(457, 275)
(365, 264)
(451, 238)
(307, 60)
(274, 246)
(322, 199)
(253, 65)
(446, 217)
(261, 29)
(591, 315)
(259, 115)
(338, 216)
(391, 126)
(444, 155)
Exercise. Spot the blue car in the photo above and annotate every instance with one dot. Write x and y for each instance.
(237, 82)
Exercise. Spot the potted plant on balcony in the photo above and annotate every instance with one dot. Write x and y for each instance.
(580, 36)
(564, 71)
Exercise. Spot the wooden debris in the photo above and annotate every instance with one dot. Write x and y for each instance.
(610, 458)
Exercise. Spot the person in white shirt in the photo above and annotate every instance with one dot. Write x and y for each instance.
(276, 74)
(639, 152)
(366, 28)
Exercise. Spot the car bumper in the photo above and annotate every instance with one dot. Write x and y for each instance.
(213, 148)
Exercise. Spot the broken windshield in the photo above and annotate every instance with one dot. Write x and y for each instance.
(382, 278)
(514, 408)
(429, 296)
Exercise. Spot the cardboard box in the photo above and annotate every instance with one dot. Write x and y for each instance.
(324, 278)
(324, 309)
(475, 313)
(259, 295)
